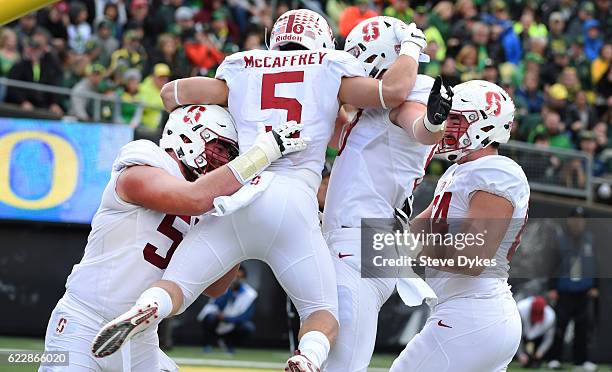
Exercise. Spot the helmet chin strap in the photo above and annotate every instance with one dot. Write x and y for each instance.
(266, 38)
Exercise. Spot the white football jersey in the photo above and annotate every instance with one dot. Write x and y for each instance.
(497, 175)
(378, 167)
(268, 88)
(129, 246)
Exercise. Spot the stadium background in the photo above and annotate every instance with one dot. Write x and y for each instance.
(96, 86)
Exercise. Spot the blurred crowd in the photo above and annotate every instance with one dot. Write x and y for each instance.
(553, 56)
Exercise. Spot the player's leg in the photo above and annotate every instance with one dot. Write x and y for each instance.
(146, 355)
(72, 332)
(296, 252)
(464, 335)
(359, 301)
(208, 251)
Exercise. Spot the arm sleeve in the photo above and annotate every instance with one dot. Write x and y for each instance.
(422, 88)
(501, 181)
(141, 152)
(344, 64)
(227, 69)
(547, 341)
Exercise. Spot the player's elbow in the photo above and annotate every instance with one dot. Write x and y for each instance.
(394, 94)
(202, 204)
(167, 95)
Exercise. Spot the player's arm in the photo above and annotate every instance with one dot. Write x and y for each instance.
(425, 124)
(194, 90)
(421, 223)
(397, 81)
(488, 217)
(156, 189)
(341, 122)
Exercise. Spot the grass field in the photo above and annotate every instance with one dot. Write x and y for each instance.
(192, 359)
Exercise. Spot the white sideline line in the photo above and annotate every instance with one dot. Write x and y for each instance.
(228, 363)
(242, 364)
(212, 362)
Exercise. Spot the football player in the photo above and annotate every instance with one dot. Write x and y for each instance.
(300, 78)
(476, 325)
(386, 152)
(147, 208)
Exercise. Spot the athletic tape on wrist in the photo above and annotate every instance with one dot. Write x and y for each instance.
(176, 93)
(249, 164)
(380, 94)
(432, 127)
(411, 50)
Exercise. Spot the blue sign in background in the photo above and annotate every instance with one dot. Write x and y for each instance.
(55, 171)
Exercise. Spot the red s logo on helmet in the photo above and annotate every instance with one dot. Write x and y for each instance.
(493, 102)
(370, 31)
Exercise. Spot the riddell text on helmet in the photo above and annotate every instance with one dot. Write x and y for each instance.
(288, 37)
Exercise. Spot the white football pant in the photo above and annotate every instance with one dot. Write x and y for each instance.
(72, 328)
(359, 301)
(280, 228)
(465, 335)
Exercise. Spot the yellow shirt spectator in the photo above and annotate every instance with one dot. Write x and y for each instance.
(149, 91)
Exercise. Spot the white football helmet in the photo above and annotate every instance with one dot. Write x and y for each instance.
(482, 113)
(304, 27)
(195, 133)
(374, 44)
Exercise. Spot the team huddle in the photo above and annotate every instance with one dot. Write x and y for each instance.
(224, 186)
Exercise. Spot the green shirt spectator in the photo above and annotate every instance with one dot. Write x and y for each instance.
(149, 91)
(554, 128)
(131, 55)
(401, 10)
(8, 50)
(131, 112)
(431, 32)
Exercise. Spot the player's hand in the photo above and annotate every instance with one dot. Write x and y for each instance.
(268, 147)
(280, 142)
(439, 104)
(409, 34)
(286, 140)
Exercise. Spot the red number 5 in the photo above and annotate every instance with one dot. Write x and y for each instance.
(168, 230)
(269, 100)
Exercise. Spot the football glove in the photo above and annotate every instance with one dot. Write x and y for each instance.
(411, 39)
(268, 147)
(438, 106)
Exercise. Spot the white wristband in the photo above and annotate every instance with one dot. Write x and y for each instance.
(380, 94)
(432, 127)
(178, 103)
(411, 50)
